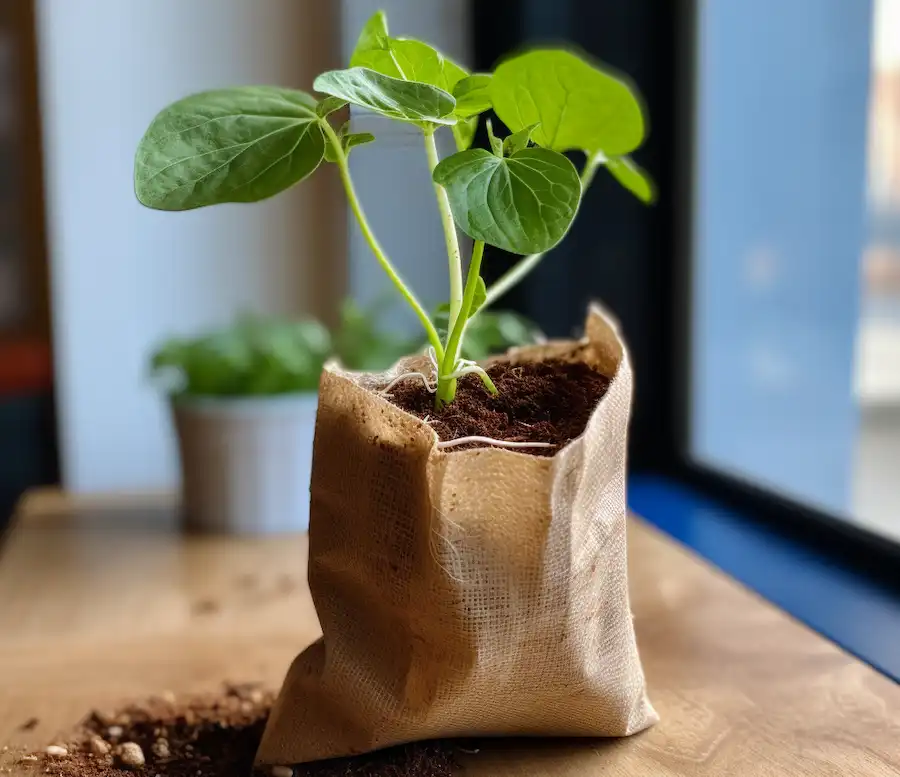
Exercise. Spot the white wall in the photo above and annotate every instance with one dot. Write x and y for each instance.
(122, 276)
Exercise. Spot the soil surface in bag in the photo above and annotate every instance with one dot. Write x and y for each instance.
(549, 401)
(208, 736)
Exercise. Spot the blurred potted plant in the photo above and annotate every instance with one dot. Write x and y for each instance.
(243, 402)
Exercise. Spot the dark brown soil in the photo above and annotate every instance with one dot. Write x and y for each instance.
(213, 736)
(549, 401)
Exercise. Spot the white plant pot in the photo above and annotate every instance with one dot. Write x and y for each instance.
(246, 462)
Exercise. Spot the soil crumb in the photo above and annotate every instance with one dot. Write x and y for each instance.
(214, 735)
(549, 401)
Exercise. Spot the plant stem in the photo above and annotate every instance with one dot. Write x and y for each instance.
(450, 236)
(525, 265)
(380, 255)
(447, 388)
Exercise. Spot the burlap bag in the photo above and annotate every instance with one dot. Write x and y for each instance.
(469, 593)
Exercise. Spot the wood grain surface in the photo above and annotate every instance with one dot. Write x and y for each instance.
(105, 603)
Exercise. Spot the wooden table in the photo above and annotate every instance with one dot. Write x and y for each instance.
(101, 604)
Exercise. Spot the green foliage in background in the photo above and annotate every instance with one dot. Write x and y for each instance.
(248, 143)
(264, 357)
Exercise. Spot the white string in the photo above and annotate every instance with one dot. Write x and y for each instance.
(492, 441)
(463, 367)
(428, 387)
(468, 370)
(454, 552)
(432, 357)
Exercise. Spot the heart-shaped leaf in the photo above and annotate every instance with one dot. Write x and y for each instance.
(632, 177)
(523, 204)
(411, 60)
(578, 106)
(228, 145)
(391, 97)
(518, 140)
(374, 36)
(473, 95)
(464, 132)
(329, 105)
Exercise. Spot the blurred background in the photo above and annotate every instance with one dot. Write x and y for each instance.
(760, 295)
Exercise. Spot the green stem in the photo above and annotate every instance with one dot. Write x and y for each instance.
(525, 265)
(380, 255)
(447, 388)
(450, 236)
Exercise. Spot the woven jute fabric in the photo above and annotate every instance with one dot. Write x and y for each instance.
(470, 593)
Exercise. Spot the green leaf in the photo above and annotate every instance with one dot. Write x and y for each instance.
(348, 141)
(362, 342)
(633, 178)
(391, 97)
(523, 204)
(464, 132)
(251, 357)
(354, 139)
(496, 143)
(518, 140)
(374, 36)
(472, 94)
(228, 145)
(412, 60)
(578, 106)
(329, 105)
(420, 62)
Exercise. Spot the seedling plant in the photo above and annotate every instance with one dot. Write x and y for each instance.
(248, 143)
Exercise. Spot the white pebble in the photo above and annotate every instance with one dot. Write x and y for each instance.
(282, 771)
(99, 747)
(131, 754)
(114, 731)
(57, 750)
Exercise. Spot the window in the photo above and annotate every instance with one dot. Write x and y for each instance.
(795, 379)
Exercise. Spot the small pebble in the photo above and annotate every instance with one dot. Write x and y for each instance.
(28, 758)
(168, 697)
(161, 748)
(130, 754)
(99, 747)
(282, 771)
(56, 750)
(114, 731)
